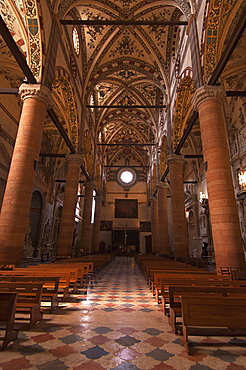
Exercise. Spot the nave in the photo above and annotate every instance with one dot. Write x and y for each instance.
(116, 325)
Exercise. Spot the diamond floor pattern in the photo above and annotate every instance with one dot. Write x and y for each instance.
(116, 325)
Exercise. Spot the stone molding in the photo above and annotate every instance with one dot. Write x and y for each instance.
(208, 92)
(36, 91)
(75, 158)
(162, 184)
(89, 184)
(174, 158)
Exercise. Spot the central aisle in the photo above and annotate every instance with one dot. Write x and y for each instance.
(116, 326)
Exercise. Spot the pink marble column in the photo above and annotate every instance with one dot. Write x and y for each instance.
(96, 226)
(227, 238)
(66, 232)
(17, 198)
(86, 221)
(154, 225)
(180, 232)
(163, 218)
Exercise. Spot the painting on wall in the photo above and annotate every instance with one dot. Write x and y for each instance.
(145, 226)
(106, 225)
(126, 208)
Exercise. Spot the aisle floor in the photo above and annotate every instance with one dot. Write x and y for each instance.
(116, 326)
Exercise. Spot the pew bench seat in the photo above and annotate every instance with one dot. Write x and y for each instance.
(7, 317)
(207, 316)
(177, 292)
(28, 299)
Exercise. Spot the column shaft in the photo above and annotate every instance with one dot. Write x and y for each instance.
(86, 222)
(154, 225)
(163, 219)
(66, 232)
(96, 227)
(17, 199)
(225, 225)
(180, 232)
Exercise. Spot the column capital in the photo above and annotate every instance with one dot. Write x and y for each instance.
(89, 184)
(208, 92)
(152, 198)
(37, 91)
(175, 158)
(74, 158)
(162, 184)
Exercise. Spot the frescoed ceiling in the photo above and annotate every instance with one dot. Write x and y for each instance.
(127, 65)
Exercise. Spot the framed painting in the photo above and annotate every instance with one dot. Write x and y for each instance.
(126, 208)
(145, 226)
(106, 225)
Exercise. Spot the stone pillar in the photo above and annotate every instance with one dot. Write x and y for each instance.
(228, 248)
(96, 227)
(154, 225)
(180, 232)
(17, 199)
(163, 218)
(197, 239)
(86, 222)
(65, 239)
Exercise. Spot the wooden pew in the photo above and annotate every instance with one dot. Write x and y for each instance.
(64, 278)
(207, 313)
(28, 299)
(175, 292)
(50, 287)
(7, 317)
(156, 276)
(85, 269)
(169, 294)
(73, 272)
(164, 280)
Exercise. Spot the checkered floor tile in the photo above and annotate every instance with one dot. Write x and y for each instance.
(117, 325)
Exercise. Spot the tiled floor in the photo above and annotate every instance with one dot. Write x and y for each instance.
(117, 326)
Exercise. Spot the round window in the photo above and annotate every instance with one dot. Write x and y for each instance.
(126, 177)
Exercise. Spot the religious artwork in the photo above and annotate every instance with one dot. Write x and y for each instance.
(106, 225)
(126, 208)
(145, 226)
(126, 46)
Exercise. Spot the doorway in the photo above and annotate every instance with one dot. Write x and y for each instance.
(126, 241)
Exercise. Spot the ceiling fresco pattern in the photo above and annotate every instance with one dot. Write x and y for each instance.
(126, 65)
(123, 66)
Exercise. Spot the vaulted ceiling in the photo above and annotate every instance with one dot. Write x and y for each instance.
(126, 69)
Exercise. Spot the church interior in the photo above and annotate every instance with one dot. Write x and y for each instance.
(122, 137)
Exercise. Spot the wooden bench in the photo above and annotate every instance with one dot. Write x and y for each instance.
(50, 287)
(164, 280)
(168, 291)
(85, 270)
(64, 279)
(157, 275)
(28, 299)
(7, 317)
(210, 315)
(73, 272)
(175, 292)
